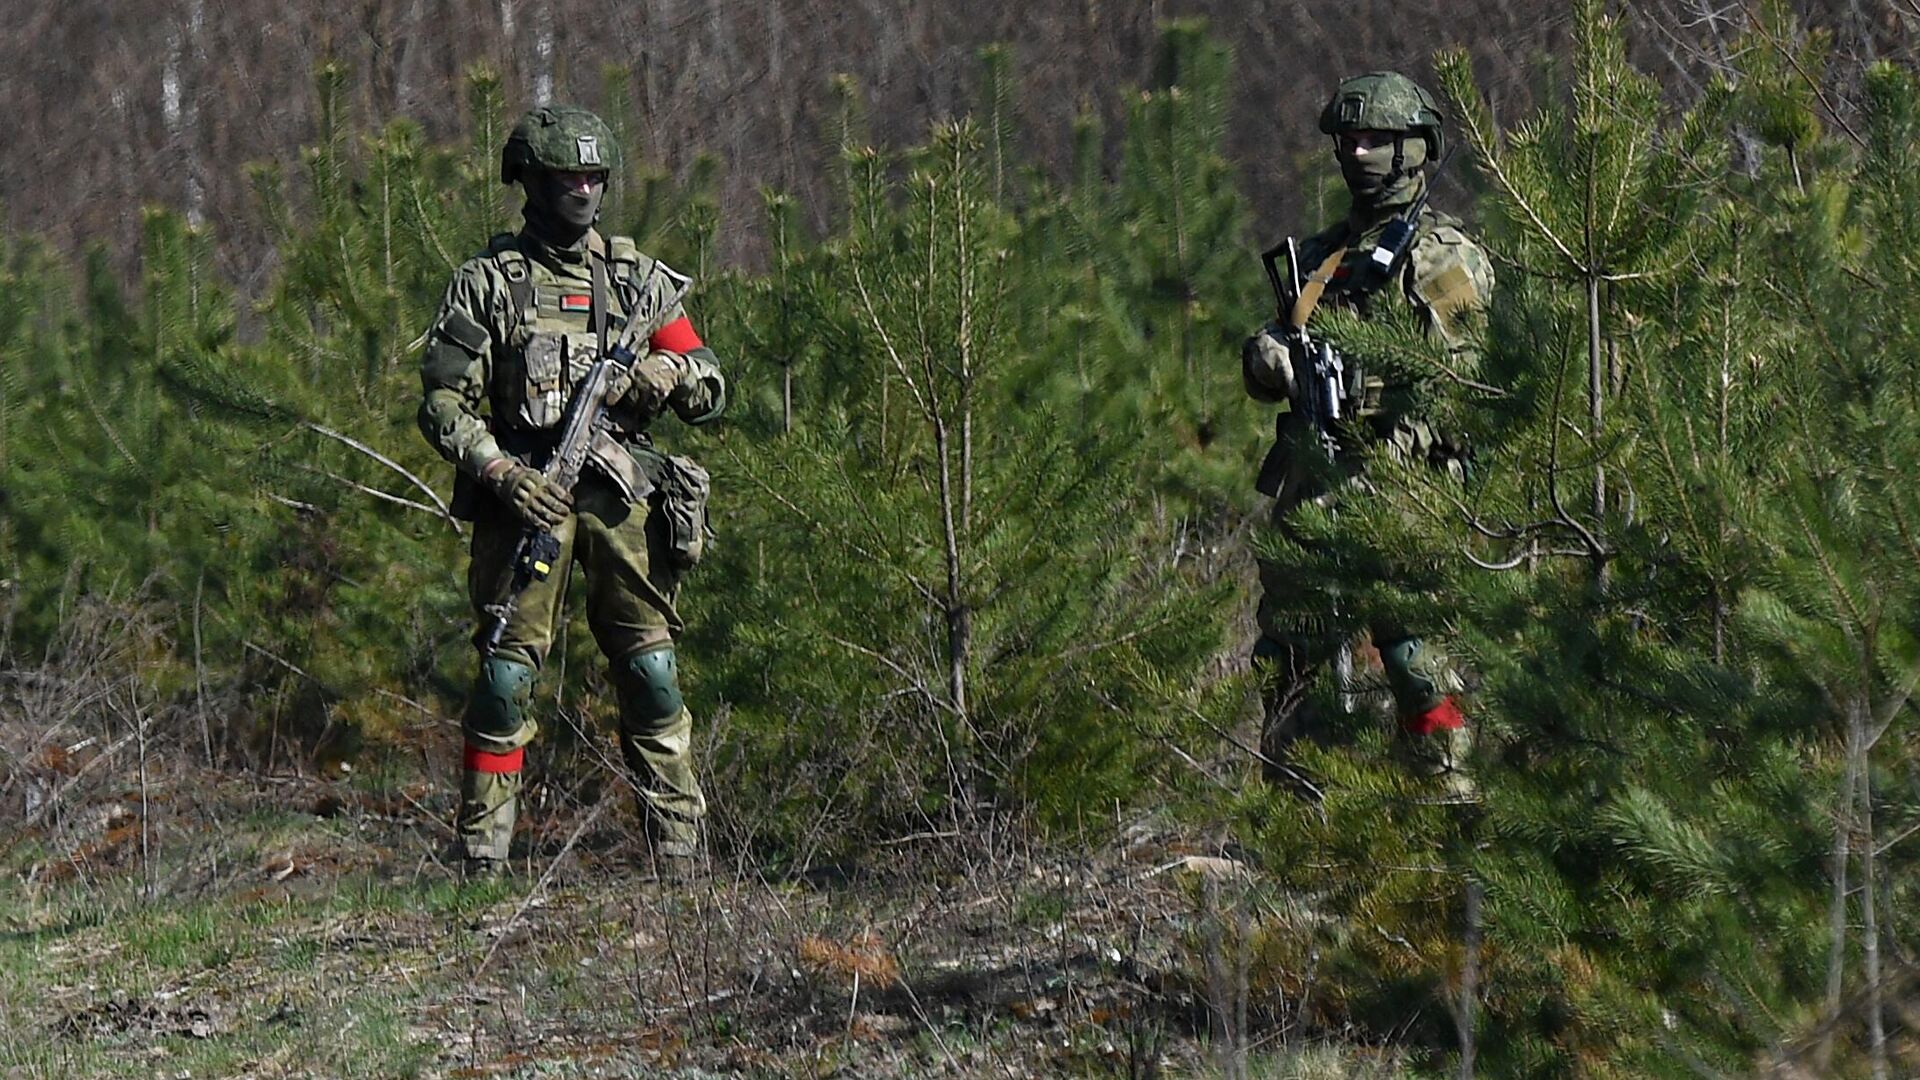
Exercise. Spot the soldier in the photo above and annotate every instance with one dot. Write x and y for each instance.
(518, 328)
(1386, 129)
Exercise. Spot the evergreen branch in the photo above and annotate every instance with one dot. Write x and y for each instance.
(427, 226)
(1860, 622)
(1483, 142)
(1756, 23)
(926, 592)
(383, 459)
(1294, 775)
(1594, 548)
(886, 339)
(113, 436)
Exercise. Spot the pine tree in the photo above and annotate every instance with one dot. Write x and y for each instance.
(1677, 575)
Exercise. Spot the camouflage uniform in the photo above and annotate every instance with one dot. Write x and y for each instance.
(1444, 276)
(515, 332)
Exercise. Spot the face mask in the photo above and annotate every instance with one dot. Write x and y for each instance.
(1370, 176)
(567, 206)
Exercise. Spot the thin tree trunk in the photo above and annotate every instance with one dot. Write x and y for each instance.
(959, 622)
(146, 809)
(543, 53)
(1466, 1016)
(1869, 913)
(965, 343)
(200, 672)
(1837, 906)
(1596, 416)
(178, 108)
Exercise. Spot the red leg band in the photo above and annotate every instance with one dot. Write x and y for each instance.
(1445, 716)
(480, 760)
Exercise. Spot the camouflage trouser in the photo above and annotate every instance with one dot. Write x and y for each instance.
(630, 609)
(1420, 677)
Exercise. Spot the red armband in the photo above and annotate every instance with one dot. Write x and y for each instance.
(677, 336)
(1445, 716)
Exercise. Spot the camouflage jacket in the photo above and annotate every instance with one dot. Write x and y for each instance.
(514, 335)
(1445, 276)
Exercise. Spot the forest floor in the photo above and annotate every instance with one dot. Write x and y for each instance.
(215, 925)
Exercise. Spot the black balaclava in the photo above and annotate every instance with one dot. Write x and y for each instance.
(558, 213)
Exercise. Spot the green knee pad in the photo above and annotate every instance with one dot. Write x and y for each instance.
(1411, 674)
(650, 687)
(501, 695)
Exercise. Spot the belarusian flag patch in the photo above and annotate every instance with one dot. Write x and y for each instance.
(576, 302)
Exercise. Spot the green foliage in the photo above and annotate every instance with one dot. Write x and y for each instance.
(936, 556)
(940, 585)
(979, 494)
(1692, 419)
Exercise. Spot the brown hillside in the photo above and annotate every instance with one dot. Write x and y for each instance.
(118, 105)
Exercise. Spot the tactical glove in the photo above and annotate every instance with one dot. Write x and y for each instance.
(539, 501)
(647, 385)
(1267, 366)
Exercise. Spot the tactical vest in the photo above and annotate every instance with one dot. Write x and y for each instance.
(553, 339)
(1354, 284)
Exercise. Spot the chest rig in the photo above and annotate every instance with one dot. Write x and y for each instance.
(559, 324)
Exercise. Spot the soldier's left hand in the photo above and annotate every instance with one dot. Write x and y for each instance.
(1265, 362)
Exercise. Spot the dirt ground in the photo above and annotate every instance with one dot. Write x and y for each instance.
(207, 925)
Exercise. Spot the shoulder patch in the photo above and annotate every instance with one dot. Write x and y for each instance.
(460, 328)
(1450, 273)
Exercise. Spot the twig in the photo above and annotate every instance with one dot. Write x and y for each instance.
(296, 504)
(539, 886)
(915, 837)
(918, 685)
(382, 459)
(289, 665)
(440, 512)
(112, 748)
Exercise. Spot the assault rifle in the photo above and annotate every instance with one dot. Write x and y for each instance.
(1319, 371)
(1325, 384)
(585, 418)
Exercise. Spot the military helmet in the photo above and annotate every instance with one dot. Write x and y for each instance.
(1385, 101)
(558, 137)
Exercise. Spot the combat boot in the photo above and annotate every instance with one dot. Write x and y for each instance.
(672, 863)
(656, 735)
(479, 871)
(489, 792)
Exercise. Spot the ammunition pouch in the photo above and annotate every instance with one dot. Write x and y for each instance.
(686, 487)
(551, 365)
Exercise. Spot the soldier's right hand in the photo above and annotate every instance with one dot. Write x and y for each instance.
(1266, 364)
(539, 501)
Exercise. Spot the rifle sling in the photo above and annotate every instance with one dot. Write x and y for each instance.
(1310, 292)
(601, 316)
